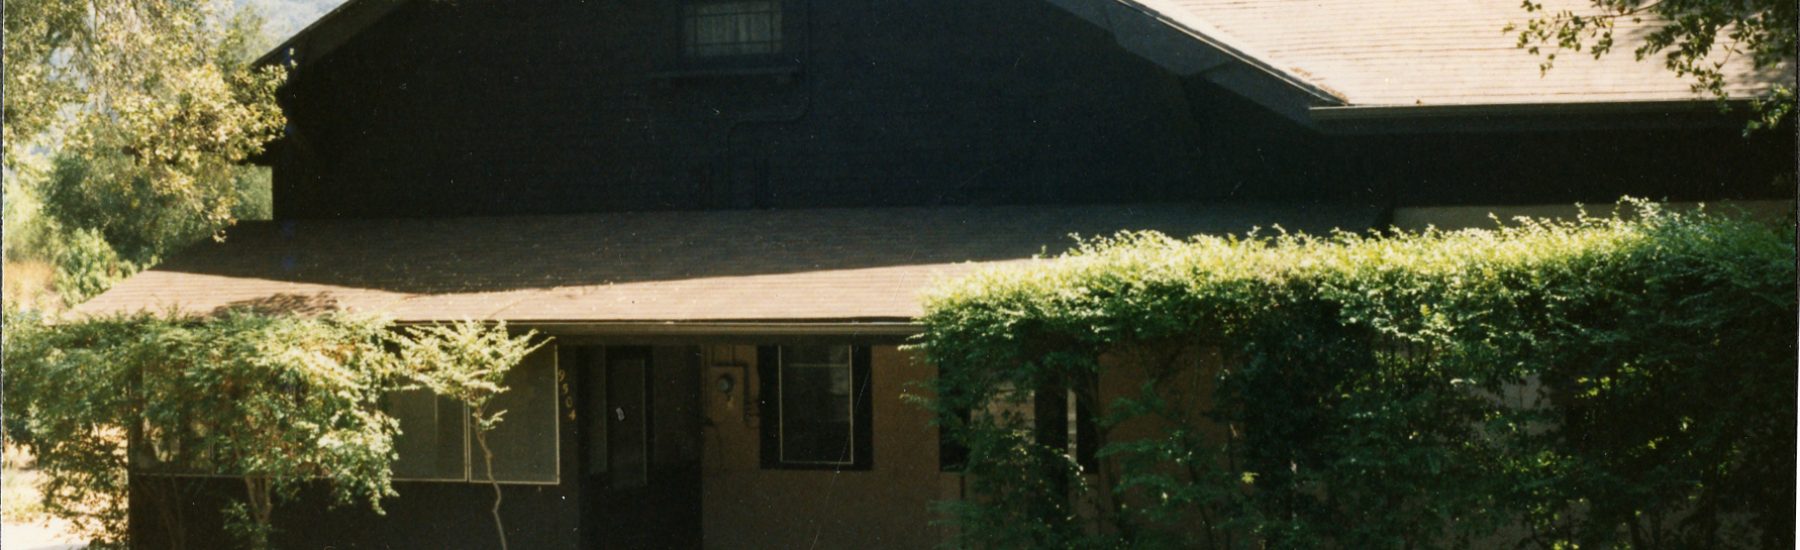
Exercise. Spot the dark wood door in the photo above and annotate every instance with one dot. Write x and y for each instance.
(639, 494)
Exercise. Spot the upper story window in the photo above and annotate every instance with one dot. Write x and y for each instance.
(715, 29)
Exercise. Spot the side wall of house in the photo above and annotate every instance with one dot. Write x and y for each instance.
(886, 506)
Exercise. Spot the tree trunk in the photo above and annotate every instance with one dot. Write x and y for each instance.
(488, 457)
(261, 508)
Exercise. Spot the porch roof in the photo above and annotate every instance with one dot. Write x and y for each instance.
(823, 265)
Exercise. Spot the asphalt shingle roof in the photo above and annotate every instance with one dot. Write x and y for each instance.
(1437, 52)
(793, 265)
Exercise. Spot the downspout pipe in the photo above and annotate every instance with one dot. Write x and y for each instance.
(760, 196)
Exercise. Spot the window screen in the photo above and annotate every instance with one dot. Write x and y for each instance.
(816, 407)
(718, 29)
(431, 443)
(435, 441)
(525, 441)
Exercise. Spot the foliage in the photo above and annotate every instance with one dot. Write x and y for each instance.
(171, 75)
(287, 400)
(28, 234)
(1695, 37)
(1600, 382)
(81, 458)
(467, 361)
(148, 110)
(87, 266)
(279, 402)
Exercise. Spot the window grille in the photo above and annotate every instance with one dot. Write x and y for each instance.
(724, 29)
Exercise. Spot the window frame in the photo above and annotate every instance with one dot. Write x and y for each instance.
(688, 30)
(557, 376)
(1059, 418)
(779, 60)
(862, 452)
(473, 470)
(462, 413)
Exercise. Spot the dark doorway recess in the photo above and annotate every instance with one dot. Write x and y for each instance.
(640, 446)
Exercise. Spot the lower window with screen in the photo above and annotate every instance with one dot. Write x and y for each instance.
(816, 407)
(435, 443)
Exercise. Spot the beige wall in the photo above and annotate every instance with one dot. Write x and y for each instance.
(1187, 379)
(1463, 217)
(745, 506)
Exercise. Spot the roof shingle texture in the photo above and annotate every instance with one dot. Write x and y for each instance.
(795, 265)
(1439, 52)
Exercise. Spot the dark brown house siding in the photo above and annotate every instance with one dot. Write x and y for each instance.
(537, 106)
(1251, 153)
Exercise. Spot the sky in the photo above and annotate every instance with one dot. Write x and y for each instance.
(286, 17)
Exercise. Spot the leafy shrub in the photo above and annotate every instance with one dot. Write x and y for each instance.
(278, 401)
(1600, 382)
(86, 266)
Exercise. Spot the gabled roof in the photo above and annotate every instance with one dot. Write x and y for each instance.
(1325, 60)
(836, 265)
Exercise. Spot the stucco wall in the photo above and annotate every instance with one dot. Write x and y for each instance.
(888, 506)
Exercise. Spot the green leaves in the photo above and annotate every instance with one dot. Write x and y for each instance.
(1606, 381)
(1694, 37)
(277, 401)
(148, 111)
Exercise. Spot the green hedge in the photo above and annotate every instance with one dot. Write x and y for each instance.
(1615, 381)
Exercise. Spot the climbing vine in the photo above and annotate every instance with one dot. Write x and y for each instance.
(1623, 380)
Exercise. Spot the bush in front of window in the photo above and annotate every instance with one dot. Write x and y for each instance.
(1621, 381)
(468, 362)
(275, 400)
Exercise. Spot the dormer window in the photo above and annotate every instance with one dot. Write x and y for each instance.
(733, 28)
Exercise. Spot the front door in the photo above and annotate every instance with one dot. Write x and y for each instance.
(637, 496)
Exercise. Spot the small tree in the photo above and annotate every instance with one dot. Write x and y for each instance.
(62, 399)
(286, 401)
(467, 361)
(278, 401)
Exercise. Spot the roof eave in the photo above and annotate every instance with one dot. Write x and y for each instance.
(1185, 46)
(866, 327)
(1488, 117)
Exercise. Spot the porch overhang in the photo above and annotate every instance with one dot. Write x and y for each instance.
(788, 273)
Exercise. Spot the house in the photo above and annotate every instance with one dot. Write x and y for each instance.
(723, 210)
